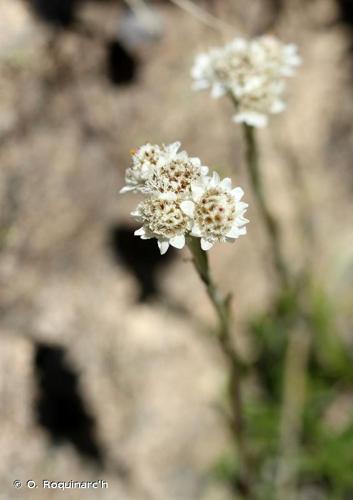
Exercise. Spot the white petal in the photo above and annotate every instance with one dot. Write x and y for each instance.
(173, 148)
(202, 61)
(239, 44)
(195, 161)
(241, 207)
(145, 168)
(169, 196)
(178, 241)
(163, 246)
(215, 180)
(183, 155)
(140, 232)
(253, 84)
(233, 233)
(204, 170)
(237, 193)
(126, 189)
(227, 183)
(196, 231)
(251, 118)
(204, 181)
(197, 191)
(188, 207)
(241, 221)
(278, 106)
(218, 90)
(206, 244)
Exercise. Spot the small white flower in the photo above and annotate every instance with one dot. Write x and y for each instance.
(160, 169)
(253, 108)
(163, 219)
(175, 175)
(278, 58)
(216, 210)
(144, 160)
(251, 72)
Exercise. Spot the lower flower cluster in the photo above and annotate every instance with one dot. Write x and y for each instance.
(182, 199)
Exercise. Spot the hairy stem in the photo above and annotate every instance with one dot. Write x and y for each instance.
(252, 159)
(221, 305)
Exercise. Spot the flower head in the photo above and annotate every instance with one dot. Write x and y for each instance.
(144, 160)
(251, 72)
(163, 219)
(181, 199)
(216, 210)
(161, 169)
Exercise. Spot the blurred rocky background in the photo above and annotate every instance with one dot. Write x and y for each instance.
(108, 369)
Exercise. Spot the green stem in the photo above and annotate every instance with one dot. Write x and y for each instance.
(252, 159)
(221, 305)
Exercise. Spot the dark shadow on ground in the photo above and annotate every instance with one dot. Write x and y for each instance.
(59, 407)
(140, 257)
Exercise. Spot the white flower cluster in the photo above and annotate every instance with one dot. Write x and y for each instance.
(251, 72)
(182, 199)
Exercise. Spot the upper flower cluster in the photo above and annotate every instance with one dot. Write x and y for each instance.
(182, 199)
(252, 72)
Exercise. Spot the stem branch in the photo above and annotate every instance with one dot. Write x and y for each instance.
(221, 306)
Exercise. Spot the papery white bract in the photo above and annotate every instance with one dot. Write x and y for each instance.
(251, 72)
(216, 210)
(163, 219)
